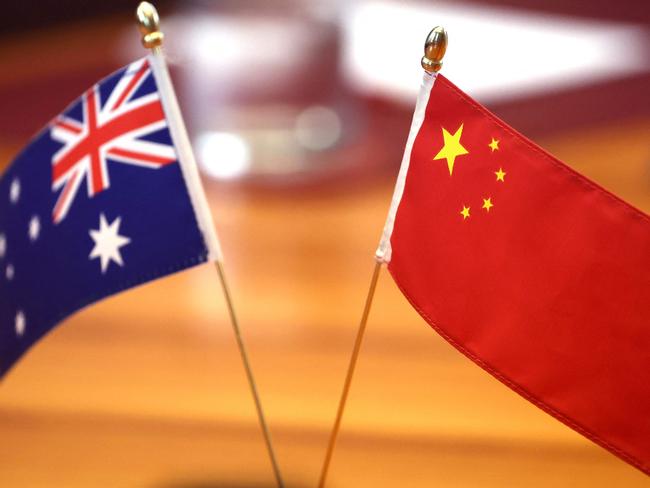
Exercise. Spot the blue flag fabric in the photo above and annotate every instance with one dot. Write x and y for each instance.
(95, 204)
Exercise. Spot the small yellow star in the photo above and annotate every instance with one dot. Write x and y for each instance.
(451, 148)
(465, 212)
(501, 175)
(494, 145)
(487, 204)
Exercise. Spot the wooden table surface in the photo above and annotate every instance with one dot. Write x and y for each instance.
(146, 389)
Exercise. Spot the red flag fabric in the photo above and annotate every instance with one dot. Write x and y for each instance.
(534, 272)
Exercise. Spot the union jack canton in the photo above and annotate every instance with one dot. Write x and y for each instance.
(62, 248)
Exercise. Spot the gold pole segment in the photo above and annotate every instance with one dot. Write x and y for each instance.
(152, 38)
(434, 50)
(348, 377)
(249, 374)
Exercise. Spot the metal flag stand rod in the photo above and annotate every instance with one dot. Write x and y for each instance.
(434, 50)
(152, 37)
(348, 377)
(249, 374)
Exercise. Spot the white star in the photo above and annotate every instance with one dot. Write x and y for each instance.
(34, 228)
(20, 323)
(14, 191)
(9, 272)
(3, 246)
(108, 242)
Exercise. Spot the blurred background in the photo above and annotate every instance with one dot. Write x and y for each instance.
(299, 111)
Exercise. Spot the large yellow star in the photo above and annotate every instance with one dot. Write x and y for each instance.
(494, 145)
(465, 212)
(452, 147)
(501, 175)
(487, 204)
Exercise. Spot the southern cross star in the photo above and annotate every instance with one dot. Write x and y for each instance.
(34, 228)
(19, 323)
(108, 242)
(14, 191)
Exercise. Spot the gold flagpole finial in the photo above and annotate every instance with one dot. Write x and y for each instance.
(149, 25)
(434, 50)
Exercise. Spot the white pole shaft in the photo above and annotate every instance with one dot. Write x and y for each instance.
(185, 154)
(383, 253)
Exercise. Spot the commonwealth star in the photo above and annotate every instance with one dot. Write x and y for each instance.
(108, 242)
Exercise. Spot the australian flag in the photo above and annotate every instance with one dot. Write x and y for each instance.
(102, 199)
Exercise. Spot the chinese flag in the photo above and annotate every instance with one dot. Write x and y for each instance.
(534, 272)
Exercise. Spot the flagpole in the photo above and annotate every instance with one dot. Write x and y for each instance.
(350, 373)
(434, 50)
(152, 38)
(249, 373)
